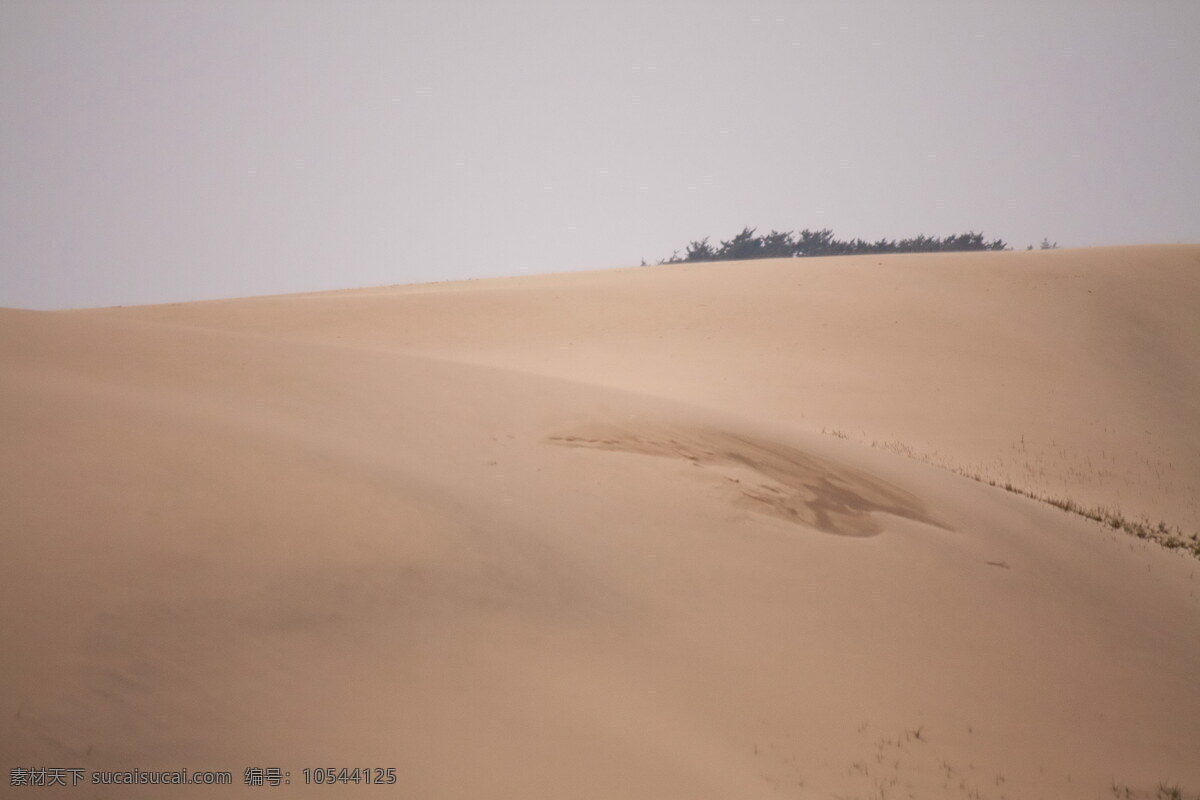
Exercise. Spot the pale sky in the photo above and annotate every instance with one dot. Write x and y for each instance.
(171, 151)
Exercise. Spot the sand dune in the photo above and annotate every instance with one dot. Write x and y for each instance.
(587, 535)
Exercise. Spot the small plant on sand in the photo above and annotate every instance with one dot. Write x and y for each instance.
(1169, 792)
(1164, 791)
(1172, 538)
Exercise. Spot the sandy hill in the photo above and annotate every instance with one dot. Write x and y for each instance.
(683, 531)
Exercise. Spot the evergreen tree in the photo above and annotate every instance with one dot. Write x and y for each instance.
(778, 245)
(743, 246)
(700, 250)
(809, 243)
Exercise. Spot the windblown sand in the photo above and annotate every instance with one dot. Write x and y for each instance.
(690, 531)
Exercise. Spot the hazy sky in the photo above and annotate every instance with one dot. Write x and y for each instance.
(163, 151)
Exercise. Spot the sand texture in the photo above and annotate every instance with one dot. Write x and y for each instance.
(687, 531)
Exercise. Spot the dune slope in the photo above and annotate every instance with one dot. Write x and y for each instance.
(1070, 373)
(582, 535)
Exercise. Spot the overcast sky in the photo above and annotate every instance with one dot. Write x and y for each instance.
(166, 151)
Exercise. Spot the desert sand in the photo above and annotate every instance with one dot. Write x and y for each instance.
(685, 531)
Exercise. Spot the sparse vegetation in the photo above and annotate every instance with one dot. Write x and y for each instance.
(1045, 245)
(1164, 791)
(1170, 537)
(1161, 533)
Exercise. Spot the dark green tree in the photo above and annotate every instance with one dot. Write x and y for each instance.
(743, 246)
(814, 243)
(809, 243)
(778, 245)
(700, 250)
